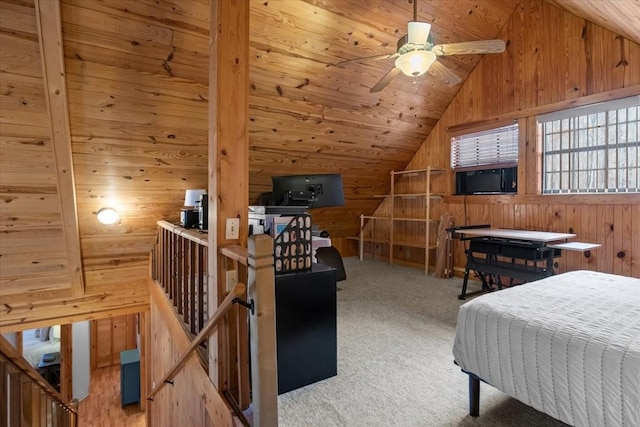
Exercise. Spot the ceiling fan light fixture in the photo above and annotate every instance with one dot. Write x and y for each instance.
(415, 63)
(418, 32)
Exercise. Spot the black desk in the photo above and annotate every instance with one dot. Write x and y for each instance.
(49, 368)
(530, 253)
(306, 333)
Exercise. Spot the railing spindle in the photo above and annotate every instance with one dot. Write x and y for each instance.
(184, 282)
(192, 286)
(202, 260)
(179, 272)
(164, 259)
(172, 268)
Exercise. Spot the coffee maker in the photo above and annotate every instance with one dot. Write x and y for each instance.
(189, 215)
(189, 218)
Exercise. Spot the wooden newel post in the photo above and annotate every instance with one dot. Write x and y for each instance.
(262, 324)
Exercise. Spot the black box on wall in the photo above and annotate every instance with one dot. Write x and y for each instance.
(487, 181)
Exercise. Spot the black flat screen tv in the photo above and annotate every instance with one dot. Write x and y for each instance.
(312, 191)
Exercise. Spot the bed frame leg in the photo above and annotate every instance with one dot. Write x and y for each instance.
(474, 396)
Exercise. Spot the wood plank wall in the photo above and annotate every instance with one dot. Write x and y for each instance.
(553, 60)
(137, 80)
(191, 400)
(109, 337)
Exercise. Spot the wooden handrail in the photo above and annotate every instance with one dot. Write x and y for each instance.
(213, 321)
(22, 365)
(193, 235)
(236, 253)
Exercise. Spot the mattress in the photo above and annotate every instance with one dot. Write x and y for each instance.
(567, 345)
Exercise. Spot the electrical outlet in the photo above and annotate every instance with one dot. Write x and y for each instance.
(232, 279)
(232, 231)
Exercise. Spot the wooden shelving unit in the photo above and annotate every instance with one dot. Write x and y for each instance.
(408, 185)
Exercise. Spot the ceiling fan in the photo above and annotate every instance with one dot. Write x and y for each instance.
(416, 54)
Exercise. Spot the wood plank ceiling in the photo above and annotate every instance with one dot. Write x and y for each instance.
(136, 73)
(309, 116)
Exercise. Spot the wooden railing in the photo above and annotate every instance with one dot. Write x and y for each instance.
(27, 399)
(204, 333)
(179, 266)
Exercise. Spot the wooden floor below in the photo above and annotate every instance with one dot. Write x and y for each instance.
(102, 407)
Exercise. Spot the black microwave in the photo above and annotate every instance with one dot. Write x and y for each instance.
(487, 181)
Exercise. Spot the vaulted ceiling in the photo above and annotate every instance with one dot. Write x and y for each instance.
(136, 74)
(310, 116)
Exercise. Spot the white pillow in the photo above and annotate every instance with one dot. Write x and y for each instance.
(44, 333)
(55, 333)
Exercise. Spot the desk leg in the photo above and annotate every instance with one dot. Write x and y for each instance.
(465, 281)
(486, 286)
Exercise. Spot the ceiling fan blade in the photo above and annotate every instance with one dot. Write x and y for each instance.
(385, 80)
(366, 58)
(464, 48)
(445, 74)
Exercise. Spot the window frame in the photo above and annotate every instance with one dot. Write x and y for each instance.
(595, 125)
(482, 129)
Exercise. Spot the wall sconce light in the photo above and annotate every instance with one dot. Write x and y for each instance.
(108, 216)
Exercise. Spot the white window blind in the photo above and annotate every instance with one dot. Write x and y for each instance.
(491, 147)
(592, 149)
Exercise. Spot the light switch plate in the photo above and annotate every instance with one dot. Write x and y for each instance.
(232, 279)
(232, 231)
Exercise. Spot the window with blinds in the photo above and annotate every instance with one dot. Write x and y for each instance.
(592, 149)
(490, 148)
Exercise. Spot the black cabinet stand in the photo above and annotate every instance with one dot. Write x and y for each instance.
(306, 327)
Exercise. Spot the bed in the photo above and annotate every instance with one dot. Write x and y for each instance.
(34, 347)
(567, 345)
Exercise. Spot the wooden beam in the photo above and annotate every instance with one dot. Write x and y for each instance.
(143, 328)
(19, 342)
(261, 289)
(60, 311)
(66, 362)
(49, 20)
(228, 144)
(495, 121)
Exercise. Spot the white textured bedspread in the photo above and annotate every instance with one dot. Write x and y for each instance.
(567, 345)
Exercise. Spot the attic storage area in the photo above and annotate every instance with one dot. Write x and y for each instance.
(133, 131)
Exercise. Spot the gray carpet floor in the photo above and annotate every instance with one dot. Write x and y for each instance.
(396, 329)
